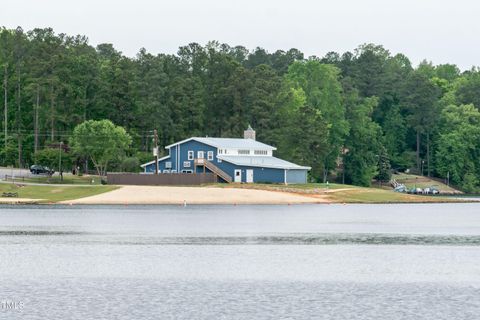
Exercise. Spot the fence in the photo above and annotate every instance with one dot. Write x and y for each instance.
(14, 178)
(161, 179)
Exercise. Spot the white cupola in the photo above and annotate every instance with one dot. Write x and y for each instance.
(249, 133)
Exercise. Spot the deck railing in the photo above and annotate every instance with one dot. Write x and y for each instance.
(216, 170)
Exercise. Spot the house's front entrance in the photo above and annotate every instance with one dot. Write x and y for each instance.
(249, 177)
(238, 175)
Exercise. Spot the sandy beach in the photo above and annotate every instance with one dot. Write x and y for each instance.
(193, 195)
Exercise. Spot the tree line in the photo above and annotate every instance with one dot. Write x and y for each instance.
(350, 116)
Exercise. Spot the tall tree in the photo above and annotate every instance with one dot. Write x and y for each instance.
(101, 141)
(323, 91)
(363, 146)
(421, 102)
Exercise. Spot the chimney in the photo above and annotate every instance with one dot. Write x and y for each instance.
(249, 133)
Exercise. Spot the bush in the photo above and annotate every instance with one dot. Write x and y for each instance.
(469, 183)
(130, 164)
(8, 155)
(144, 157)
(50, 157)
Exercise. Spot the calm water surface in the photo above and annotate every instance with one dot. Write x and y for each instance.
(241, 262)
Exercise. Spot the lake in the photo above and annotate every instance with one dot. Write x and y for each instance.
(410, 261)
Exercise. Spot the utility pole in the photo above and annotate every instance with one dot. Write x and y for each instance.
(18, 120)
(155, 137)
(5, 83)
(36, 120)
(60, 161)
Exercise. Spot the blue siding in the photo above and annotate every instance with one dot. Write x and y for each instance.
(183, 149)
(161, 166)
(260, 174)
(296, 176)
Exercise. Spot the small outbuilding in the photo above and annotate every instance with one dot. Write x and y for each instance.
(231, 159)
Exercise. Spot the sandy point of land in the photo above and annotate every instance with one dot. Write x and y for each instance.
(193, 195)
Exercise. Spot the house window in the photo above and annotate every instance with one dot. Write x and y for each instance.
(168, 165)
(210, 155)
(243, 152)
(166, 171)
(187, 171)
(186, 164)
(173, 171)
(190, 155)
(220, 151)
(219, 160)
(261, 152)
(200, 154)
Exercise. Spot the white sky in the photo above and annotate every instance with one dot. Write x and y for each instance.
(443, 31)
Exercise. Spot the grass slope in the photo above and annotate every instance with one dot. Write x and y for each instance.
(412, 181)
(54, 193)
(374, 195)
(340, 193)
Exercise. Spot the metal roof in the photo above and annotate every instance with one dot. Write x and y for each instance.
(261, 161)
(228, 143)
(153, 161)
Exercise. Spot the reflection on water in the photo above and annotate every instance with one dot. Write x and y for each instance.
(23, 236)
(245, 262)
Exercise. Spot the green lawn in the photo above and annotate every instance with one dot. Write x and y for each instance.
(54, 193)
(374, 195)
(67, 179)
(341, 193)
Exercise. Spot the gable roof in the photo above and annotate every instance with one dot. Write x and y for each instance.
(227, 143)
(153, 161)
(261, 161)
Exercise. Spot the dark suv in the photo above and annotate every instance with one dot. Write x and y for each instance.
(37, 169)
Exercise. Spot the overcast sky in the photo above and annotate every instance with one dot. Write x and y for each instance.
(443, 31)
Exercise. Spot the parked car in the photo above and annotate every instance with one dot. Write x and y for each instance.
(431, 190)
(37, 169)
(415, 191)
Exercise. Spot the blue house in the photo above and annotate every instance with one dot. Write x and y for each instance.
(231, 159)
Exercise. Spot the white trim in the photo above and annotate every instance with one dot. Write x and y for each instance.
(285, 176)
(215, 145)
(210, 155)
(247, 171)
(295, 167)
(179, 142)
(200, 152)
(153, 161)
(178, 158)
(235, 171)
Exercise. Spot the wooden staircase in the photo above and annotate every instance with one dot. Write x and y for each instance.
(216, 170)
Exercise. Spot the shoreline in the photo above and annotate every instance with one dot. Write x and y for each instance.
(235, 195)
(176, 195)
